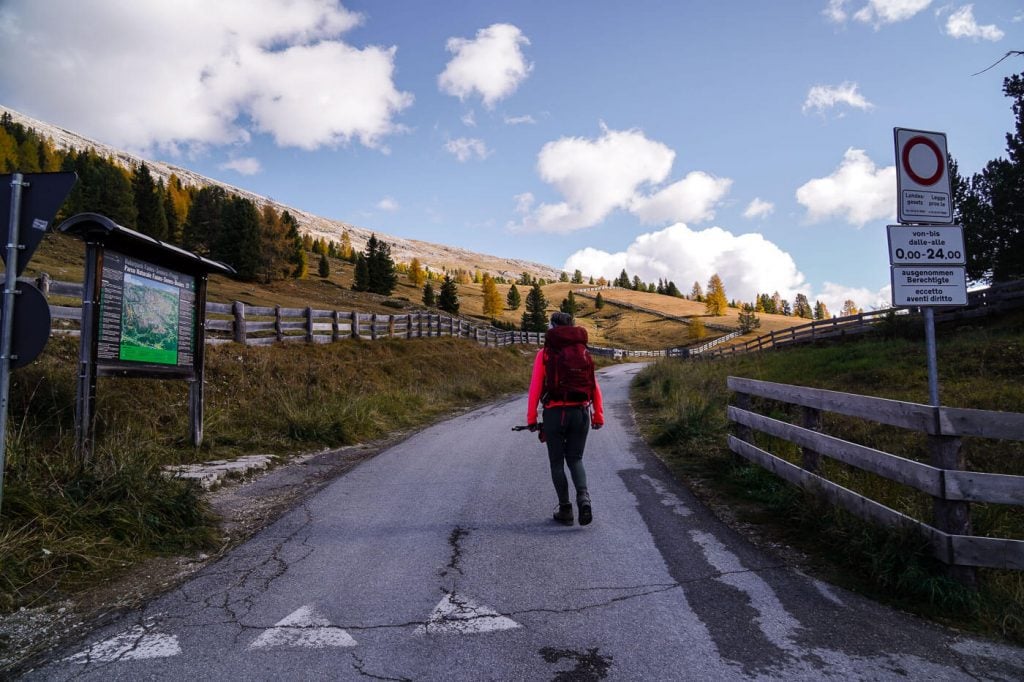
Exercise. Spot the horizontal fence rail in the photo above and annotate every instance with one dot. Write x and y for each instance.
(952, 488)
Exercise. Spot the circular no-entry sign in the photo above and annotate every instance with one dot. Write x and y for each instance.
(923, 161)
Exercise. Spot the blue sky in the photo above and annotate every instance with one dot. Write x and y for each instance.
(672, 139)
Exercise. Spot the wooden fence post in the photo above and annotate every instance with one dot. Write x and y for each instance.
(335, 324)
(309, 325)
(419, 324)
(277, 323)
(43, 283)
(810, 418)
(951, 516)
(238, 309)
(391, 326)
(373, 326)
(355, 325)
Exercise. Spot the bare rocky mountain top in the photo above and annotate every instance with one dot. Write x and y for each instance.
(433, 255)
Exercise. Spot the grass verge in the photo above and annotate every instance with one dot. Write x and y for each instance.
(681, 409)
(65, 524)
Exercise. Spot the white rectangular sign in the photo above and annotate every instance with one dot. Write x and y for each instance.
(926, 245)
(922, 177)
(929, 285)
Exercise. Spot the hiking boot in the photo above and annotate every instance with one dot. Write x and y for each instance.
(583, 505)
(563, 514)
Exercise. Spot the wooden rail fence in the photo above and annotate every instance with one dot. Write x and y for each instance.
(996, 298)
(952, 488)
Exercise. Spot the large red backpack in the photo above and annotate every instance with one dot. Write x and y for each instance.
(568, 367)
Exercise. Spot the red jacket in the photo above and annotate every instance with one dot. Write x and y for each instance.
(539, 373)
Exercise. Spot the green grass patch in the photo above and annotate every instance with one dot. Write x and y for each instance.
(681, 407)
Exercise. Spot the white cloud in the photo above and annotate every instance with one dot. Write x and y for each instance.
(519, 120)
(961, 24)
(876, 12)
(691, 199)
(465, 148)
(388, 204)
(822, 97)
(245, 166)
(835, 11)
(469, 119)
(748, 263)
(856, 191)
(149, 75)
(621, 169)
(492, 65)
(880, 12)
(759, 209)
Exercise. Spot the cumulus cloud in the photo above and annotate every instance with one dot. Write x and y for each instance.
(876, 12)
(491, 65)
(466, 148)
(388, 204)
(748, 263)
(857, 191)
(245, 166)
(961, 24)
(469, 119)
(691, 199)
(621, 169)
(822, 97)
(148, 75)
(759, 209)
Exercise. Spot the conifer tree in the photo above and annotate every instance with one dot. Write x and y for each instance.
(563, 277)
(821, 311)
(492, 297)
(577, 277)
(151, 218)
(325, 266)
(849, 308)
(347, 252)
(802, 307)
(238, 240)
(672, 290)
(513, 300)
(204, 219)
(569, 304)
(748, 319)
(697, 293)
(535, 317)
(598, 301)
(428, 295)
(448, 300)
(697, 329)
(361, 277)
(416, 274)
(382, 278)
(716, 302)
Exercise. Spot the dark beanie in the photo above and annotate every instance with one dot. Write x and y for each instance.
(561, 319)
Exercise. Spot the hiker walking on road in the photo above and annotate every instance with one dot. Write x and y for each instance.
(563, 380)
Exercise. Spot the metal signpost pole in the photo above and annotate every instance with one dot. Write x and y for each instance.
(933, 363)
(7, 331)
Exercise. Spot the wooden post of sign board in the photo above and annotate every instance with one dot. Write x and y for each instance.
(85, 402)
(196, 395)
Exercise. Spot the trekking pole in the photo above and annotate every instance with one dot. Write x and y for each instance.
(526, 427)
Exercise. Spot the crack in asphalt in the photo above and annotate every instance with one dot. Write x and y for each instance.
(455, 542)
(361, 669)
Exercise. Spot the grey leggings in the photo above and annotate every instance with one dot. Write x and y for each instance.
(565, 432)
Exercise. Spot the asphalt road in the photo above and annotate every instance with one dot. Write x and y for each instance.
(438, 560)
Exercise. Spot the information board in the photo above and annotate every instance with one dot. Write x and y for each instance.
(147, 317)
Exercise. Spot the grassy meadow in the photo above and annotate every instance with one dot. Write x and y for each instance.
(681, 408)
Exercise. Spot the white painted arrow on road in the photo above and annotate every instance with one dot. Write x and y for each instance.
(305, 629)
(461, 615)
(134, 644)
